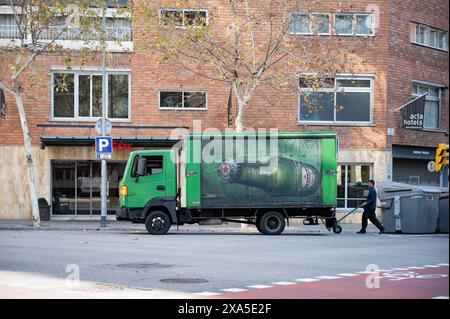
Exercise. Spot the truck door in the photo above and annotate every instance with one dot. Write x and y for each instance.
(152, 184)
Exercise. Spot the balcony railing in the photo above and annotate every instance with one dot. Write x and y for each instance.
(9, 32)
(75, 34)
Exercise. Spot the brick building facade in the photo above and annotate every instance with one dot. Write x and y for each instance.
(396, 65)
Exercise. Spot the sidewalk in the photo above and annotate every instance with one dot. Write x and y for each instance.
(296, 226)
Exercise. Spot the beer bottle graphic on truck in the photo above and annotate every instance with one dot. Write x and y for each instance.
(295, 177)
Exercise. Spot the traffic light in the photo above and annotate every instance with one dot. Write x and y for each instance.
(441, 157)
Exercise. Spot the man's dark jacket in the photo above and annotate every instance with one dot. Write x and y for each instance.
(371, 200)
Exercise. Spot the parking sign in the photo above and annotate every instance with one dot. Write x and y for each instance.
(103, 146)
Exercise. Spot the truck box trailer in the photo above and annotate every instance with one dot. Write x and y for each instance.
(261, 179)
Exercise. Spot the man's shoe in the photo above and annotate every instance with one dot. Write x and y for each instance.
(361, 232)
(382, 230)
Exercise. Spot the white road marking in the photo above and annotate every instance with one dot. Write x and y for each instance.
(400, 269)
(259, 286)
(365, 272)
(328, 277)
(207, 293)
(443, 264)
(307, 279)
(440, 297)
(347, 275)
(284, 283)
(416, 267)
(432, 266)
(234, 289)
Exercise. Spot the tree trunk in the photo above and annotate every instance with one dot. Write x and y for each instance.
(239, 126)
(29, 160)
(239, 123)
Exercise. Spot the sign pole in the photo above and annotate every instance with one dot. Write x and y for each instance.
(103, 190)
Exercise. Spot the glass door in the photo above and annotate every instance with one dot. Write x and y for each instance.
(63, 187)
(83, 188)
(115, 175)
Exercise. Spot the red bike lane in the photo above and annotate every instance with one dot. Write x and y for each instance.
(395, 284)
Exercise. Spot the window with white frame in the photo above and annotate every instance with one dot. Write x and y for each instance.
(432, 104)
(354, 24)
(428, 36)
(117, 29)
(340, 100)
(313, 23)
(8, 27)
(352, 184)
(189, 100)
(78, 95)
(183, 18)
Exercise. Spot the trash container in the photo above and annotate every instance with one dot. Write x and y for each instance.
(443, 214)
(409, 209)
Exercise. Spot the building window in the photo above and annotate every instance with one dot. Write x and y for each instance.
(354, 24)
(183, 18)
(432, 104)
(8, 27)
(352, 181)
(192, 100)
(428, 36)
(117, 29)
(340, 100)
(308, 24)
(78, 95)
(63, 95)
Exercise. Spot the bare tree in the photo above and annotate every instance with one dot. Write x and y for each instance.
(244, 43)
(39, 27)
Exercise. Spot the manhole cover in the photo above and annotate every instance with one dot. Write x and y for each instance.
(143, 265)
(184, 280)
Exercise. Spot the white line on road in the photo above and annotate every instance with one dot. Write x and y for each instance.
(443, 264)
(366, 272)
(400, 268)
(307, 279)
(207, 293)
(284, 283)
(440, 297)
(234, 289)
(259, 286)
(432, 266)
(328, 277)
(413, 267)
(347, 275)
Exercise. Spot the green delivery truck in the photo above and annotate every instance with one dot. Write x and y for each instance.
(260, 179)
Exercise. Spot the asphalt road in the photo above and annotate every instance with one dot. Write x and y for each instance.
(201, 262)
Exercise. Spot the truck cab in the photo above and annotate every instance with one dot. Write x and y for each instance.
(149, 184)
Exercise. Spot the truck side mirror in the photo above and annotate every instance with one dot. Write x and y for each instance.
(141, 167)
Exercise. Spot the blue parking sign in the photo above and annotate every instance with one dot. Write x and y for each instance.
(103, 145)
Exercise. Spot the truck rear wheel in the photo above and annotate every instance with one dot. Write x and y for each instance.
(157, 223)
(271, 223)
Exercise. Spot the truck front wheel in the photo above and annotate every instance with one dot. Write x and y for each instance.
(271, 223)
(157, 223)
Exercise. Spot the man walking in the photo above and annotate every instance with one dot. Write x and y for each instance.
(369, 210)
